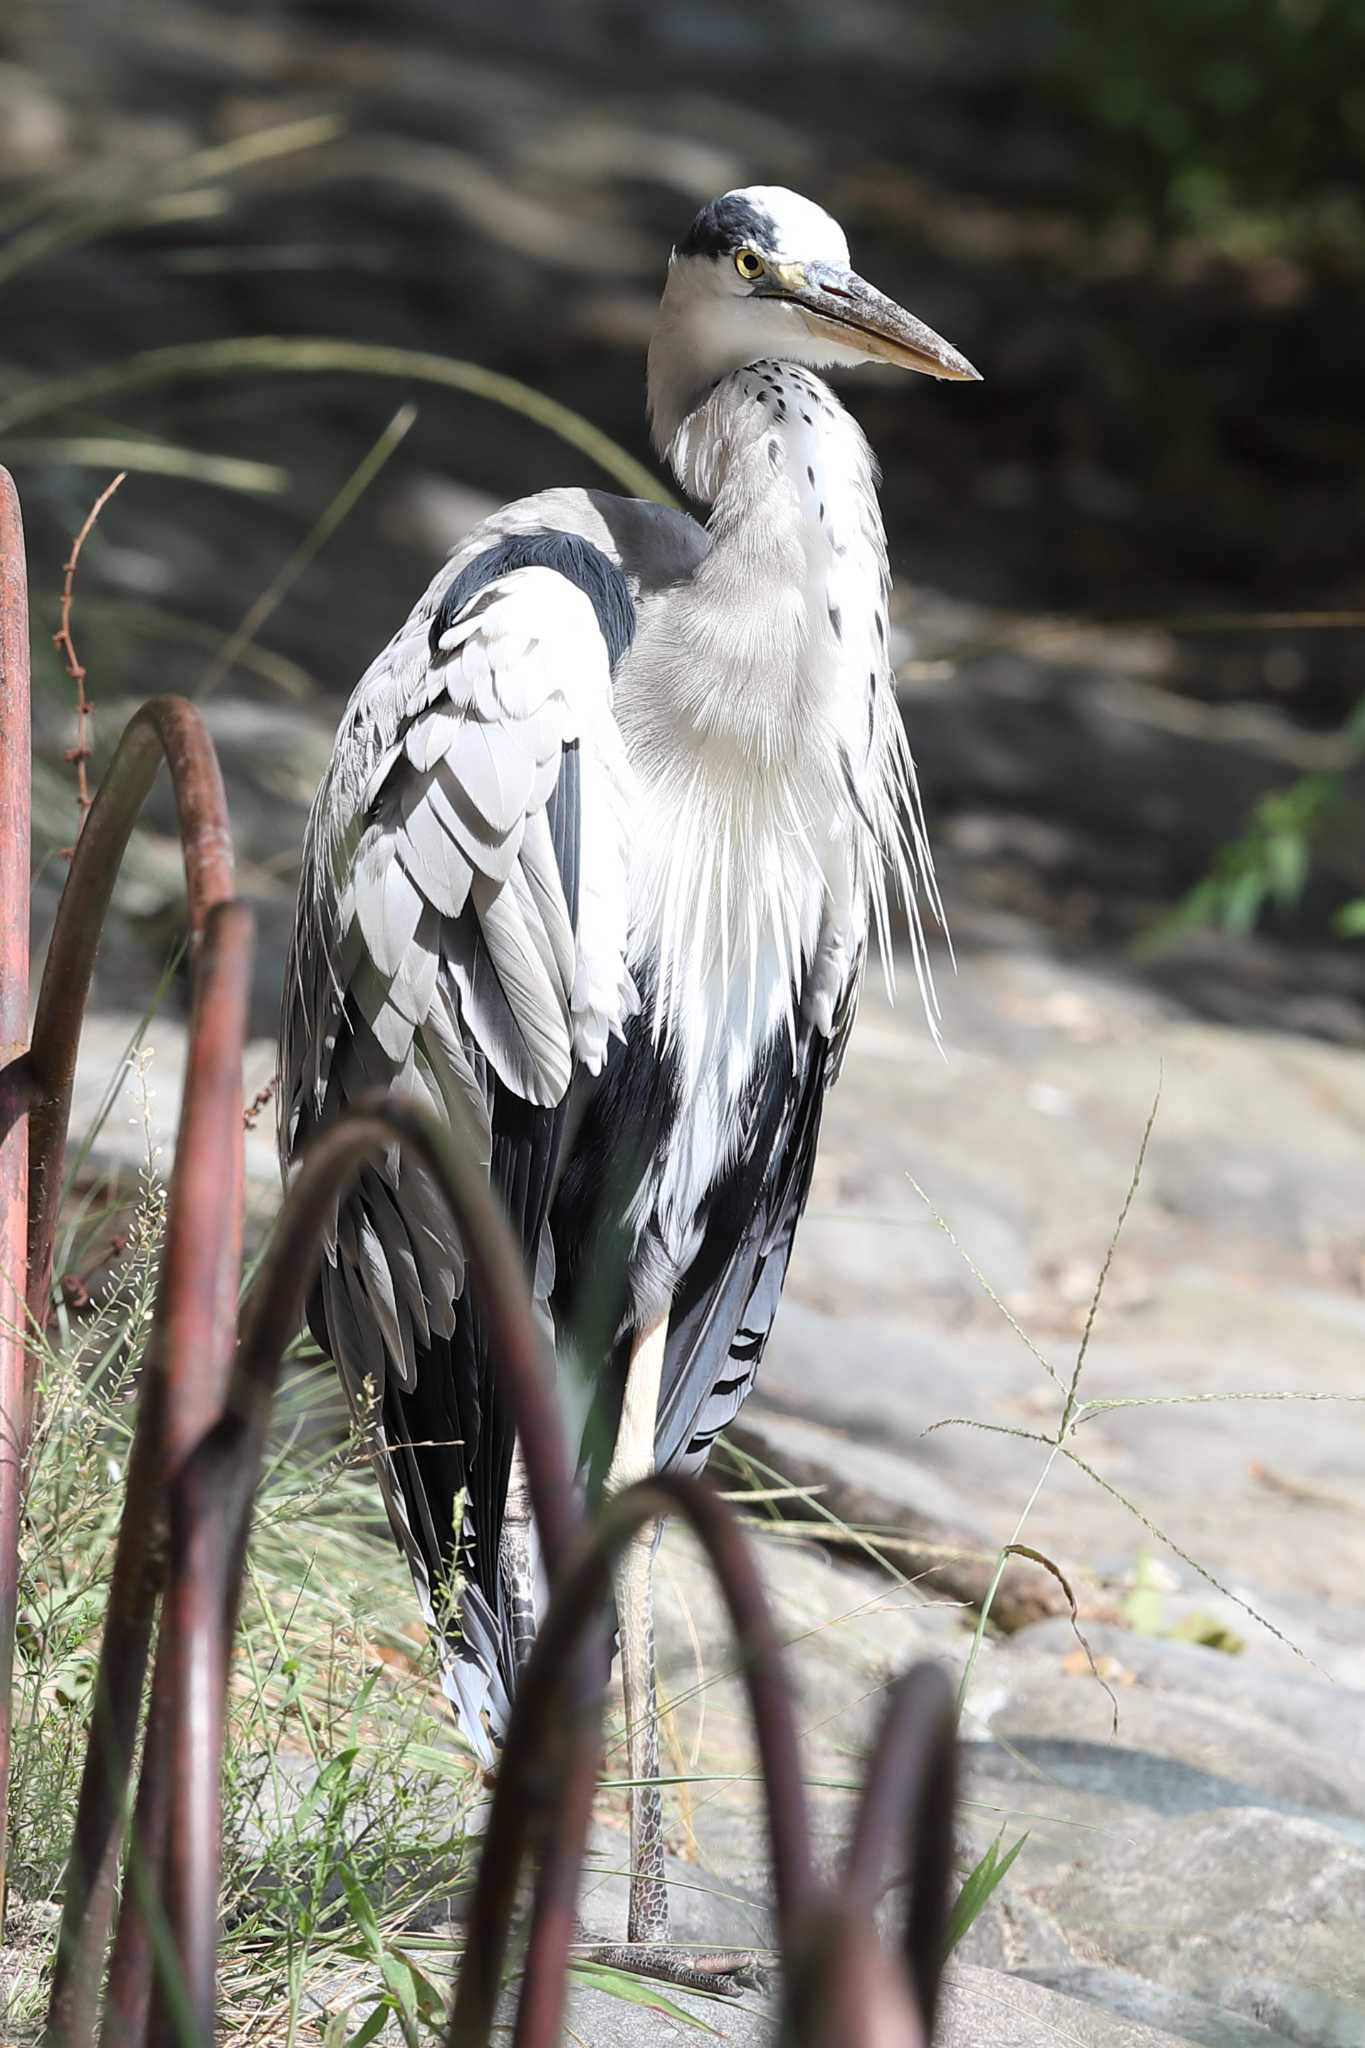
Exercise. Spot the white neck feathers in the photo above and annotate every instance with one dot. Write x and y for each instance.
(760, 711)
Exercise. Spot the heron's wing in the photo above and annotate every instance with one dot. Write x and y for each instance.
(725, 1304)
(461, 937)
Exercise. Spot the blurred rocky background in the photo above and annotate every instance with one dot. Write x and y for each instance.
(1128, 573)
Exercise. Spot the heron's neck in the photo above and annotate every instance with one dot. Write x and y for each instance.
(760, 712)
(792, 595)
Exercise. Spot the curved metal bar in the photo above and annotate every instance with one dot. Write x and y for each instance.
(195, 1610)
(908, 1800)
(184, 1381)
(164, 727)
(843, 1989)
(202, 1260)
(563, 1805)
(196, 1298)
(128, 1985)
(15, 771)
(175, 1819)
(551, 1753)
(202, 1278)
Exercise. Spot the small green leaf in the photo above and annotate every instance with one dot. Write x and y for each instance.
(430, 2002)
(373, 2027)
(362, 1911)
(334, 2033)
(441, 1764)
(363, 1697)
(978, 1887)
(398, 1976)
(329, 1782)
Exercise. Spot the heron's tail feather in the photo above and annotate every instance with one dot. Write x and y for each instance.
(474, 1676)
(482, 1654)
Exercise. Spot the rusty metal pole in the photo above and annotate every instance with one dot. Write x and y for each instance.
(187, 1358)
(173, 1852)
(906, 1809)
(141, 1916)
(15, 774)
(165, 728)
(844, 1989)
(201, 1277)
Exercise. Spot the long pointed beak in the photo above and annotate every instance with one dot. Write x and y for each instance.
(840, 306)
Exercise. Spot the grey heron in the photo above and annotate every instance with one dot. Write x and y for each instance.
(608, 828)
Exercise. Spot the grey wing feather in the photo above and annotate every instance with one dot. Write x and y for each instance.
(437, 951)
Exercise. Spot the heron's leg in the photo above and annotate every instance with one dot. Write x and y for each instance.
(647, 1948)
(632, 1459)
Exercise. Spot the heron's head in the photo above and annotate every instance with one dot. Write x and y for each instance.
(765, 273)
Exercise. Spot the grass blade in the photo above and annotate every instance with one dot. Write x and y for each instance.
(67, 227)
(152, 458)
(284, 579)
(292, 355)
(978, 1888)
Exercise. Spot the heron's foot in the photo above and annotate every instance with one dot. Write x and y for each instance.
(723, 1972)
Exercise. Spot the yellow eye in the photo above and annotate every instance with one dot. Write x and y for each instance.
(748, 263)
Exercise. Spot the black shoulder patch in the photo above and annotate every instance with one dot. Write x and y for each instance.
(726, 225)
(568, 554)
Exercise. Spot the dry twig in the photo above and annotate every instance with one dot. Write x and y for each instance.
(66, 647)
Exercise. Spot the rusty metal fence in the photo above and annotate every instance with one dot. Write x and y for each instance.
(136, 1954)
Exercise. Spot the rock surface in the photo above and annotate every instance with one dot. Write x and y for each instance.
(1199, 1875)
